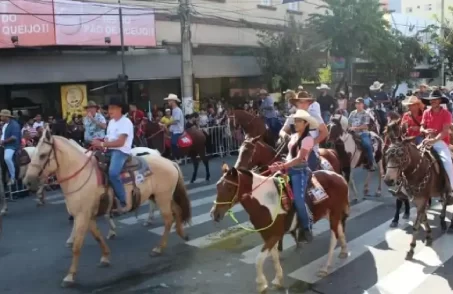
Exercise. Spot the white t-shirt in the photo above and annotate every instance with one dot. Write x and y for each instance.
(314, 111)
(37, 124)
(3, 131)
(123, 126)
(176, 115)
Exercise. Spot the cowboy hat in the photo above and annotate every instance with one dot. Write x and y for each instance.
(436, 94)
(91, 104)
(302, 114)
(360, 100)
(6, 112)
(172, 97)
(411, 100)
(263, 92)
(118, 101)
(300, 88)
(301, 96)
(376, 86)
(323, 87)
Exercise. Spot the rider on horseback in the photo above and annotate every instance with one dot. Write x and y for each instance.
(268, 111)
(300, 146)
(120, 134)
(359, 120)
(436, 125)
(413, 118)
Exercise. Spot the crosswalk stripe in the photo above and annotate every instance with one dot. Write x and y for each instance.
(319, 228)
(198, 220)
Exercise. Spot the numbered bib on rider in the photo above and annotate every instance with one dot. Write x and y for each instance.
(184, 141)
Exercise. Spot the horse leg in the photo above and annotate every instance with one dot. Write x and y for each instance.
(407, 209)
(366, 190)
(396, 218)
(429, 237)
(105, 258)
(70, 241)
(381, 174)
(195, 162)
(421, 214)
(150, 219)
(40, 195)
(278, 280)
(167, 215)
(443, 213)
(112, 227)
(336, 231)
(179, 224)
(81, 225)
(261, 281)
(3, 204)
(205, 160)
(354, 188)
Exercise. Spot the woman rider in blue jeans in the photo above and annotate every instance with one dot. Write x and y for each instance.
(300, 147)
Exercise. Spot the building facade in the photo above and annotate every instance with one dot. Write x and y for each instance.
(428, 9)
(57, 43)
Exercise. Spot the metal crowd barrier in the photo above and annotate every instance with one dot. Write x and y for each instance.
(19, 190)
(222, 141)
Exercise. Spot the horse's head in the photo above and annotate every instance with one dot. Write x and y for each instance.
(43, 162)
(150, 128)
(399, 158)
(247, 151)
(336, 127)
(395, 131)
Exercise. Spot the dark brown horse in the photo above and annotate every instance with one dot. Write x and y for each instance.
(419, 174)
(261, 199)
(155, 135)
(252, 125)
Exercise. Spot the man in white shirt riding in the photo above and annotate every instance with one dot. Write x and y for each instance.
(118, 141)
(176, 126)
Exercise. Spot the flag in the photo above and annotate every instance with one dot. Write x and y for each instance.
(290, 1)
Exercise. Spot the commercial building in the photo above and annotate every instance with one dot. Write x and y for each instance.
(47, 44)
(428, 9)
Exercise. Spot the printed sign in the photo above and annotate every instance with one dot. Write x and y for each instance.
(32, 23)
(73, 100)
(91, 23)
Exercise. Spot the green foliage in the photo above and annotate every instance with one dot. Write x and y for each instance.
(438, 45)
(325, 75)
(287, 56)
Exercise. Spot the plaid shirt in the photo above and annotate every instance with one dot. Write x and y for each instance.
(357, 119)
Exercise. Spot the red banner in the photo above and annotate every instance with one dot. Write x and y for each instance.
(32, 23)
(91, 23)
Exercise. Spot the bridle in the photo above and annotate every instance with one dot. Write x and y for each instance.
(223, 180)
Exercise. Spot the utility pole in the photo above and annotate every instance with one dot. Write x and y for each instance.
(442, 35)
(186, 58)
(122, 79)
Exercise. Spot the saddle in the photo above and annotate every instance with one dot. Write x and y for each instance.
(132, 163)
(435, 160)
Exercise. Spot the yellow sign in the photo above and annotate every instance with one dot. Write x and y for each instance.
(73, 100)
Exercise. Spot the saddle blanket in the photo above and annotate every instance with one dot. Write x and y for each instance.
(325, 164)
(317, 192)
(138, 176)
(185, 141)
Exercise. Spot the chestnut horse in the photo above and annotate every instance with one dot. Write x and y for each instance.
(351, 154)
(155, 138)
(419, 174)
(252, 125)
(261, 199)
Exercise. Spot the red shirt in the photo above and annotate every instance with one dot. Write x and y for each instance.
(137, 116)
(409, 121)
(437, 121)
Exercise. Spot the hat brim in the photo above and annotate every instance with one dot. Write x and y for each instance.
(427, 100)
(373, 88)
(172, 99)
(294, 100)
(322, 88)
(92, 106)
(407, 103)
(313, 123)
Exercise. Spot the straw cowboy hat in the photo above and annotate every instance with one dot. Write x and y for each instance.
(376, 86)
(302, 114)
(436, 94)
(300, 88)
(411, 100)
(91, 104)
(323, 87)
(301, 96)
(172, 97)
(6, 112)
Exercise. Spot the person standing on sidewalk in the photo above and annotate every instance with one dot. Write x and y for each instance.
(10, 140)
(176, 126)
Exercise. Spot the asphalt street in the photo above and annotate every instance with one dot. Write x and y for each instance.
(219, 258)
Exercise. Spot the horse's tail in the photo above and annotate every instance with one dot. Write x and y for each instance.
(181, 198)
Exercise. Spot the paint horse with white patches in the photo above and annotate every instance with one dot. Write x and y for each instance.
(273, 214)
(417, 172)
(350, 151)
(82, 184)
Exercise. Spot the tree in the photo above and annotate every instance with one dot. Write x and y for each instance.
(398, 56)
(352, 27)
(286, 58)
(440, 46)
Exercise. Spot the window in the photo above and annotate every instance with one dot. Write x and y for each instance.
(408, 9)
(428, 7)
(266, 2)
(293, 6)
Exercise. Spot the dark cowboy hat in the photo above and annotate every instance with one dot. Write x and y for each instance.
(118, 101)
(436, 94)
(91, 104)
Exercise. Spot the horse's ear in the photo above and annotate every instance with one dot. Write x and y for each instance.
(234, 172)
(256, 139)
(48, 133)
(225, 168)
(398, 121)
(404, 128)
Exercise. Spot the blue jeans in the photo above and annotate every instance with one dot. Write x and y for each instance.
(274, 125)
(9, 160)
(326, 116)
(418, 139)
(299, 178)
(174, 144)
(117, 161)
(313, 160)
(366, 143)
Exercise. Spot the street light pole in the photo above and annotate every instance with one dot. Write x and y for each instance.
(186, 57)
(442, 35)
(123, 64)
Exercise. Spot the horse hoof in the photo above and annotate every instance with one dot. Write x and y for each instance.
(378, 194)
(104, 264)
(262, 289)
(406, 216)
(366, 192)
(322, 273)
(186, 238)
(277, 284)
(147, 223)
(67, 284)
(410, 255)
(394, 224)
(192, 181)
(69, 244)
(343, 255)
(429, 242)
(111, 236)
(155, 252)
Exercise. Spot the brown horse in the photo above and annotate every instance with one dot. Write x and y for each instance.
(155, 138)
(252, 125)
(260, 197)
(419, 173)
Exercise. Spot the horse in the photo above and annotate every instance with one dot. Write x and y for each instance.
(252, 125)
(82, 181)
(418, 173)
(155, 138)
(350, 151)
(261, 199)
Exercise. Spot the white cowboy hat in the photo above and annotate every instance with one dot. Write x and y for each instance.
(302, 114)
(300, 88)
(172, 97)
(411, 100)
(376, 86)
(323, 87)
